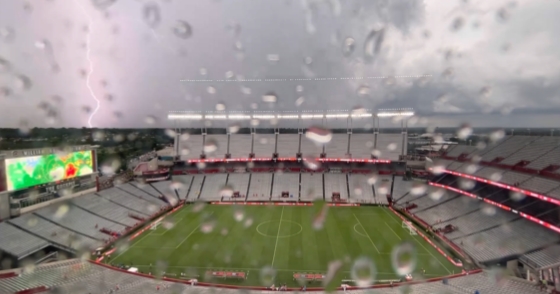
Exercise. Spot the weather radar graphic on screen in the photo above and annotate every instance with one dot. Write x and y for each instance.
(31, 171)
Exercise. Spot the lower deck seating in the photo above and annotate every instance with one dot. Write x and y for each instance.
(17, 242)
(361, 191)
(311, 186)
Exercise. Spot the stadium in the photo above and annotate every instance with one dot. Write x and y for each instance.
(258, 212)
(326, 146)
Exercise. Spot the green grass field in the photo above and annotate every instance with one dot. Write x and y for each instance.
(251, 238)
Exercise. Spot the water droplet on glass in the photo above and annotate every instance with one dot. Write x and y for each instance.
(246, 90)
(364, 91)
(211, 90)
(332, 270)
(238, 215)
(61, 211)
(516, 196)
(319, 135)
(436, 194)
(300, 101)
(270, 98)
(488, 209)
(207, 227)
(372, 179)
(182, 29)
(255, 122)
(5, 65)
(7, 34)
(248, 222)
(220, 106)
(234, 128)
(485, 92)
(254, 106)
(418, 189)
(373, 43)
(226, 191)
(150, 119)
(457, 24)
(267, 276)
(392, 146)
(308, 60)
(151, 14)
(311, 163)
(404, 259)
(348, 46)
(448, 73)
(273, 57)
(210, 146)
(299, 88)
(363, 272)
(5, 92)
(464, 131)
(229, 74)
(503, 14)
(466, 184)
(376, 153)
(203, 71)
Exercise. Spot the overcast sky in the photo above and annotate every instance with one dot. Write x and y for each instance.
(487, 63)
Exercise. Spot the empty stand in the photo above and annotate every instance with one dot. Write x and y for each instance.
(182, 184)
(105, 208)
(506, 147)
(260, 187)
(532, 151)
(264, 145)
(361, 145)
(129, 200)
(240, 145)
(360, 190)
(311, 186)
(220, 142)
(285, 182)
(512, 178)
(288, 145)
(552, 157)
(138, 192)
(382, 189)
(17, 242)
(191, 148)
(213, 184)
(336, 183)
(540, 185)
(390, 145)
(457, 150)
(239, 183)
(196, 187)
(337, 146)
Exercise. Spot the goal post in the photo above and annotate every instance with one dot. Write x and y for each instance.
(409, 227)
(155, 226)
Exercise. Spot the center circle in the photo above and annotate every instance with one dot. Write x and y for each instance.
(282, 225)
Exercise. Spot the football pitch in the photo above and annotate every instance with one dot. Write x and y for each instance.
(289, 239)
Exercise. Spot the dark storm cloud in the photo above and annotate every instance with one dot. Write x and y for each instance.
(484, 57)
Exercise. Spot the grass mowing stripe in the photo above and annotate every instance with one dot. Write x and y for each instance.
(277, 235)
(393, 231)
(366, 233)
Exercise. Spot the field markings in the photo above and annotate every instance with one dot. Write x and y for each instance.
(185, 239)
(416, 239)
(393, 231)
(277, 236)
(137, 241)
(364, 228)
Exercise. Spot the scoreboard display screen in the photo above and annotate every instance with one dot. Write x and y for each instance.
(25, 172)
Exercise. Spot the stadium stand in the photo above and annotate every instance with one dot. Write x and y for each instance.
(288, 145)
(540, 185)
(400, 188)
(79, 220)
(361, 145)
(129, 200)
(196, 187)
(285, 182)
(336, 183)
(490, 173)
(514, 178)
(311, 187)
(338, 146)
(191, 148)
(239, 145)
(544, 258)
(309, 148)
(382, 189)
(221, 145)
(390, 145)
(54, 233)
(263, 146)
(506, 147)
(532, 151)
(74, 276)
(550, 158)
(360, 190)
(260, 187)
(106, 209)
(166, 189)
(140, 192)
(182, 184)
(212, 186)
(457, 150)
(454, 208)
(239, 183)
(17, 242)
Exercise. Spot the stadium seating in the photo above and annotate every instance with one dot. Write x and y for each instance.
(507, 147)
(260, 187)
(105, 208)
(452, 209)
(360, 190)
(540, 185)
(239, 145)
(191, 148)
(141, 191)
(212, 186)
(263, 146)
(336, 183)
(288, 145)
(221, 145)
(310, 148)
(382, 189)
(457, 150)
(285, 182)
(390, 146)
(543, 258)
(311, 187)
(532, 151)
(552, 157)
(196, 187)
(239, 183)
(361, 145)
(54, 233)
(400, 188)
(512, 178)
(74, 276)
(17, 242)
(182, 184)
(126, 199)
(337, 146)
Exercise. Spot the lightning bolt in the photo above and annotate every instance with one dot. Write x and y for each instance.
(88, 57)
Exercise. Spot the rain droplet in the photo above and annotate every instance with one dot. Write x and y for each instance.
(299, 88)
(485, 92)
(516, 196)
(7, 34)
(151, 14)
(503, 14)
(203, 71)
(457, 24)
(372, 179)
(464, 132)
(373, 44)
(363, 272)
(182, 29)
(418, 189)
(234, 128)
(448, 73)
(238, 215)
(270, 98)
(348, 46)
(220, 106)
(403, 258)
(5, 91)
(254, 106)
(268, 276)
(308, 60)
(319, 135)
(5, 65)
(392, 146)
(211, 90)
(300, 101)
(229, 74)
(150, 119)
(226, 191)
(488, 209)
(436, 194)
(207, 227)
(273, 57)
(255, 122)
(311, 163)
(364, 91)
(246, 90)
(61, 211)
(376, 153)
(210, 146)
(248, 222)
(184, 137)
(466, 184)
